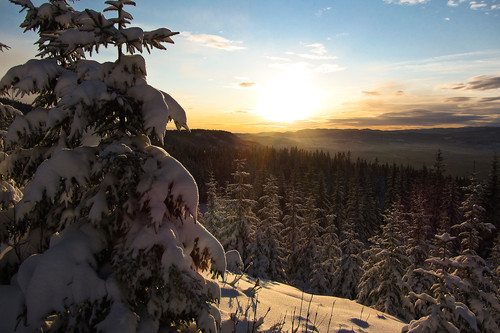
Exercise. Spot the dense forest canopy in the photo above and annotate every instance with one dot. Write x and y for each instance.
(413, 242)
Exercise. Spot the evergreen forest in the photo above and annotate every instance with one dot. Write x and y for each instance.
(407, 241)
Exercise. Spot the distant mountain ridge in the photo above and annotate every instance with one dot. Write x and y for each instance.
(462, 148)
(201, 138)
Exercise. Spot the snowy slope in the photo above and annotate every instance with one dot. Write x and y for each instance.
(287, 304)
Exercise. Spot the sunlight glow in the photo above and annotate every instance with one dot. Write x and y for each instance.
(288, 97)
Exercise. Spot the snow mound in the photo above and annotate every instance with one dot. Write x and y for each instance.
(287, 306)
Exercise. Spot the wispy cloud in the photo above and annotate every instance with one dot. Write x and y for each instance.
(370, 93)
(317, 52)
(475, 5)
(243, 83)
(380, 108)
(451, 64)
(214, 41)
(406, 2)
(415, 118)
(386, 89)
(318, 60)
(458, 99)
(246, 84)
(483, 82)
(489, 99)
(485, 5)
(323, 10)
(317, 48)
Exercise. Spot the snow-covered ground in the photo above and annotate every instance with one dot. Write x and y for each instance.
(291, 306)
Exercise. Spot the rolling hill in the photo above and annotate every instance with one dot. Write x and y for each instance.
(462, 148)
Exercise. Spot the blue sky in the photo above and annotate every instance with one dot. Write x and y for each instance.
(250, 66)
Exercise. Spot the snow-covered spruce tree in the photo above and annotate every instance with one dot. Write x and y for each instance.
(434, 195)
(111, 221)
(215, 214)
(241, 219)
(292, 221)
(338, 209)
(307, 251)
(480, 293)
(321, 276)
(9, 196)
(266, 249)
(350, 269)
(444, 313)
(418, 247)
(473, 225)
(382, 284)
(7, 115)
(7, 112)
(326, 259)
(418, 230)
(451, 207)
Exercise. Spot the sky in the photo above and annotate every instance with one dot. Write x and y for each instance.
(281, 65)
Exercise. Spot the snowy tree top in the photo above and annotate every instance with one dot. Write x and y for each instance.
(112, 98)
(66, 34)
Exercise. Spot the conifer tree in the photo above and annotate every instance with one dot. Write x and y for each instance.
(109, 225)
(382, 285)
(338, 209)
(215, 215)
(292, 221)
(434, 194)
(451, 207)
(241, 219)
(326, 258)
(307, 252)
(416, 221)
(394, 186)
(444, 313)
(10, 194)
(350, 269)
(266, 249)
(473, 225)
(479, 293)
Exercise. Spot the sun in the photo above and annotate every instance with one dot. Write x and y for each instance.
(289, 97)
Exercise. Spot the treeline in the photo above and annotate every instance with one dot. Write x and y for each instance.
(415, 243)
